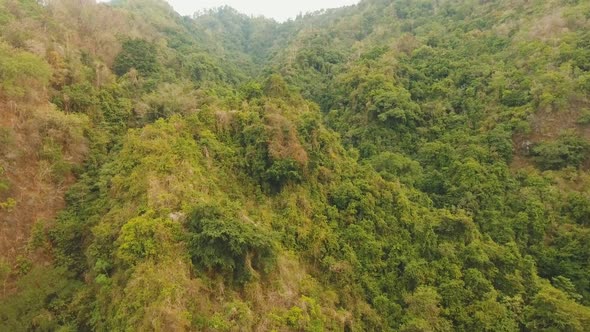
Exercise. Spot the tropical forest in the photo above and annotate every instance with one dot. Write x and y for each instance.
(393, 165)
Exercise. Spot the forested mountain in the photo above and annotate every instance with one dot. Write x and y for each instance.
(397, 165)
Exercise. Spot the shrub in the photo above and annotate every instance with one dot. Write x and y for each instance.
(52, 153)
(4, 274)
(584, 118)
(21, 72)
(4, 185)
(6, 141)
(38, 236)
(9, 203)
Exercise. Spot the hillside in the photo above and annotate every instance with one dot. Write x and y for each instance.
(397, 165)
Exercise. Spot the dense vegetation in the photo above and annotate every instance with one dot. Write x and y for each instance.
(395, 165)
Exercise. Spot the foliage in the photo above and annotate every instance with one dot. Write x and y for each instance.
(4, 274)
(136, 54)
(567, 150)
(393, 165)
(552, 311)
(21, 72)
(228, 245)
(41, 306)
(8, 203)
(143, 238)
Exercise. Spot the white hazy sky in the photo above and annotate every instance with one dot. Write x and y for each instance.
(280, 10)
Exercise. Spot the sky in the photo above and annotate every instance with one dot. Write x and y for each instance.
(280, 10)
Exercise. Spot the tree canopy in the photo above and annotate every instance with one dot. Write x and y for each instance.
(394, 165)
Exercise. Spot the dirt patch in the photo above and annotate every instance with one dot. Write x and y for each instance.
(547, 126)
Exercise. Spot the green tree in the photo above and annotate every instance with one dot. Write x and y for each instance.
(424, 311)
(238, 247)
(136, 54)
(567, 150)
(552, 310)
(144, 238)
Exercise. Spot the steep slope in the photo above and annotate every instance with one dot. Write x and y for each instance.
(436, 93)
(394, 165)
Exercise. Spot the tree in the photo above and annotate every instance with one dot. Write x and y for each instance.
(565, 285)
(276, 87)
(138, 54)
(235, 247)
(552, 310)
(568, 150)
(42, 303)
(424, 311)
(144, 238)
